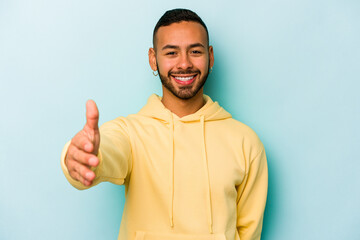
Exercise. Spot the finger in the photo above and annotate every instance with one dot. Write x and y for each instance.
(83, 142)
(82, 170)
(85, 172)
(82, 157)
(92, 115)
(75, 175)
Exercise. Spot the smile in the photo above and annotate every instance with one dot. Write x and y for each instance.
(184, 80)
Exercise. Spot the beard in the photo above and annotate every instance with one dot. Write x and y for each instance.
(184, 92)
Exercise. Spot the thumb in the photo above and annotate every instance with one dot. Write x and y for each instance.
(92, 115)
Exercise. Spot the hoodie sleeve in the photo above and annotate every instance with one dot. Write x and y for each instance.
(251, 198)
(114, 155)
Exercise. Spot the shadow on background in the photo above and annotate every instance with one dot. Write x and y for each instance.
(219, 88)
(272, 199)
(216, 84)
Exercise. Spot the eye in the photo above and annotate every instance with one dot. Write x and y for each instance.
(196, 52)
(170, 53)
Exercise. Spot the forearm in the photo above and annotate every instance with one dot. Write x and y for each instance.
(252, 200)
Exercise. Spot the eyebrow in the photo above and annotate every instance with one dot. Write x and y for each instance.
(196, 45)
(169, 46)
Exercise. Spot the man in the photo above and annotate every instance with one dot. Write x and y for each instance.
(190, 170)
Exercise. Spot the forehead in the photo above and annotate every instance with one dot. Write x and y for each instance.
(181, 34)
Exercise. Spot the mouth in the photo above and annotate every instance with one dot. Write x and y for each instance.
(184, 79)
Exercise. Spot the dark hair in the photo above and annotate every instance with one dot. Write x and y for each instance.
(178, 15)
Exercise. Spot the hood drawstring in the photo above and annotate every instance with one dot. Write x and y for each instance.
(172, 170)
(211, 111)
(204, 156)
(202, 122)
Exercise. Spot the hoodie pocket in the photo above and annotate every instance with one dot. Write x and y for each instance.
(140, 235)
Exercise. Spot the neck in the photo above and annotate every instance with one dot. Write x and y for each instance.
(182, 107)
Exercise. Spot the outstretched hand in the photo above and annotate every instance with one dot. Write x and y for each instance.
(83, 149)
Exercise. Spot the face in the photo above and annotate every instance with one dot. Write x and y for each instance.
(182, 58)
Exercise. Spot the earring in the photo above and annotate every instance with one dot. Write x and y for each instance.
(210, 70)
(155, 73)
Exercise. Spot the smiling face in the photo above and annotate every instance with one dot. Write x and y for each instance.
(182, 57)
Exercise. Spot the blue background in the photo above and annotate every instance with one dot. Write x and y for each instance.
(288, 69)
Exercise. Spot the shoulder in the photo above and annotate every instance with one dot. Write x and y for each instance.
(243, 134)
(119, 123)
(125, 123)
(239, 128)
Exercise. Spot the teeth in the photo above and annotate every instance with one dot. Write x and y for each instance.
(184, 78)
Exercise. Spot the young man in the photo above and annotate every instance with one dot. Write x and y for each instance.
(190, 170)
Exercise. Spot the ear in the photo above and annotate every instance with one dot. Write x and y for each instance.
(211, 56)
(152, 59)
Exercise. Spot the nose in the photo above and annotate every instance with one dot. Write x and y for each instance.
(184, 62)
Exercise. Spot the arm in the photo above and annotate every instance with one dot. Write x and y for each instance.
(251, 198)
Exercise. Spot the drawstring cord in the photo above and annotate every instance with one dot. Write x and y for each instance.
(202, 121)
(172, 171)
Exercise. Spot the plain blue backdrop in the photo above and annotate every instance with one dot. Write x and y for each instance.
(288, 69)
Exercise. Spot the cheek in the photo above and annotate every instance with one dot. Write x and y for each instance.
(201, 64)
(166, 66)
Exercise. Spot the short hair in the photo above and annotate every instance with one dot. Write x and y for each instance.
(178, 15)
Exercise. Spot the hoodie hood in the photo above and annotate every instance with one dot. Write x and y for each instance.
(211, 111)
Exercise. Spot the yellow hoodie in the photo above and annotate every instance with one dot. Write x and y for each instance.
(199, 177)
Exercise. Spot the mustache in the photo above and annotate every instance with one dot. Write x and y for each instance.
(185, 72)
